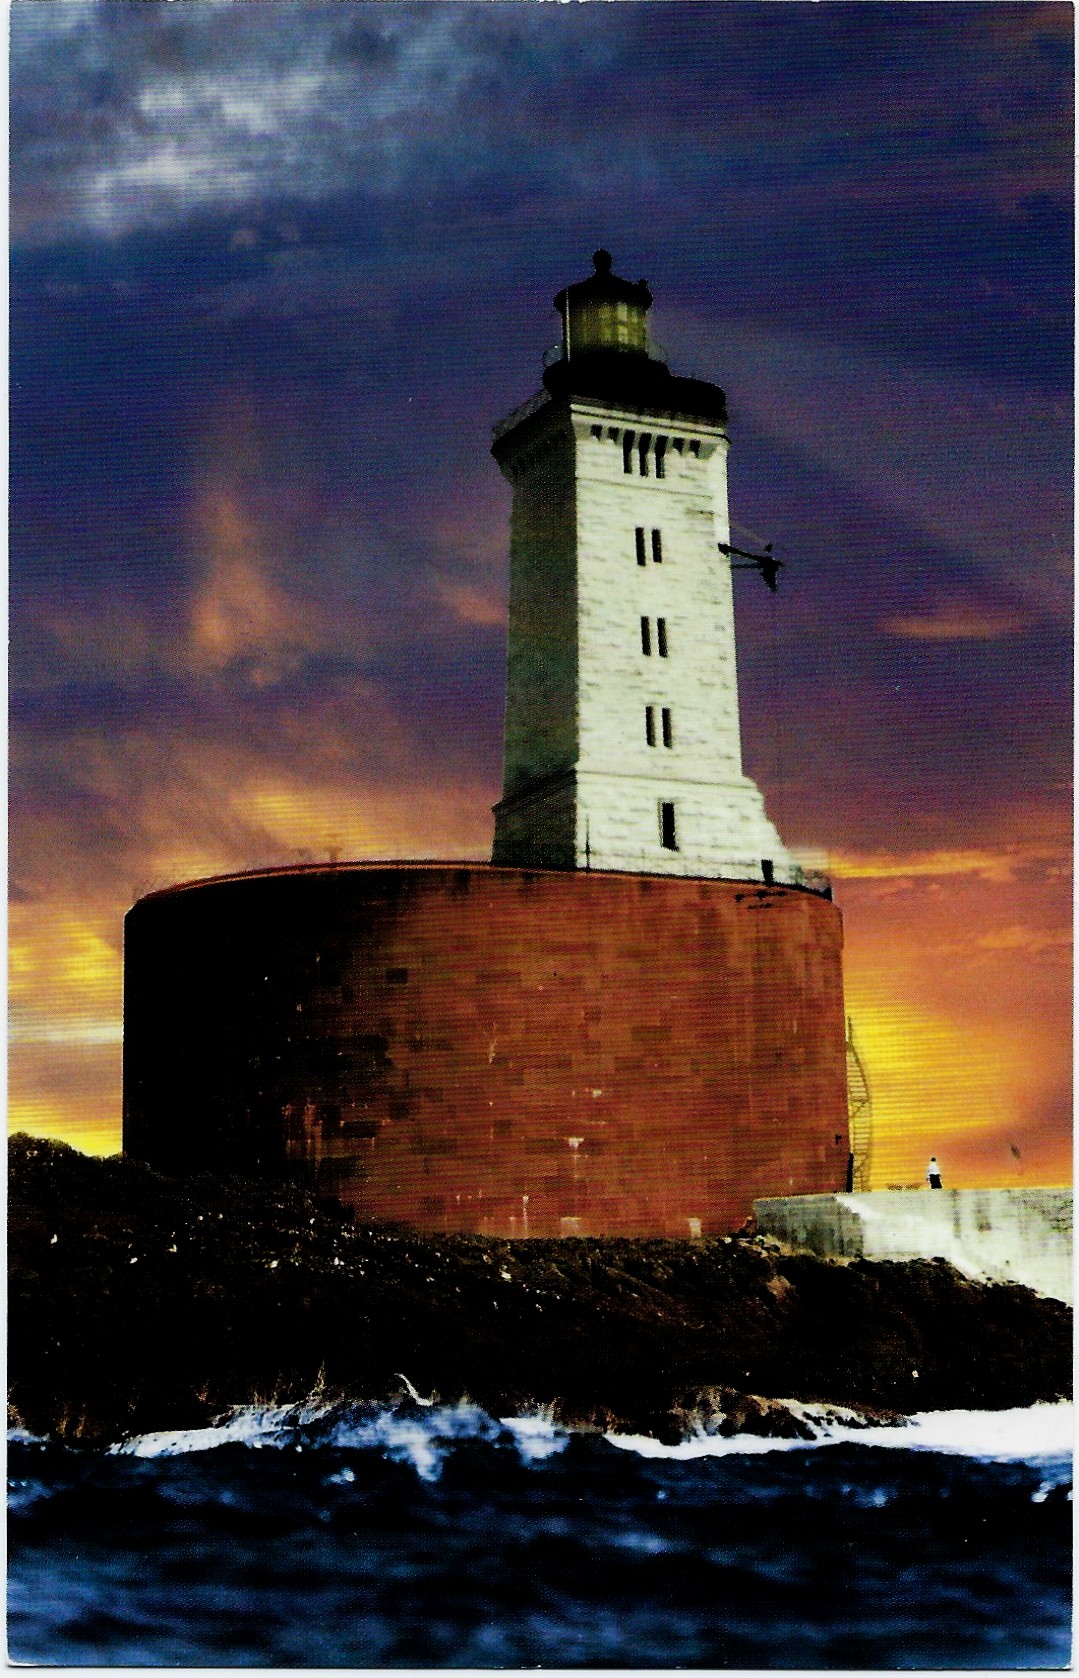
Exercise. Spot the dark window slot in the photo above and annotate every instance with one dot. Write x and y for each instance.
(666, 720)
(657, 548)
(646, 638)
(661, 636)
(667, 836)
(642, 554)
(650, 724)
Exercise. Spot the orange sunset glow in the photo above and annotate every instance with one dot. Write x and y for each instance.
(259, 550)
(958, 990)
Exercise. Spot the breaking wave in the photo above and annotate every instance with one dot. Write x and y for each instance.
(1042, 1431)
(416, 1433)
(425, 1535)
(422, 1433)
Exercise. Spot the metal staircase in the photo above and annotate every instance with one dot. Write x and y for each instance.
(859, 1115)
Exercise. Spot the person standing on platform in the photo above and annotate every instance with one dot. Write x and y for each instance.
(932, 1174)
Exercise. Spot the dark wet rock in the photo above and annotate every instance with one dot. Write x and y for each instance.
(140, 1302)
(749, 1414)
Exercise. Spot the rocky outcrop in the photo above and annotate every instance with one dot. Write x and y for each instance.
(140, 1302)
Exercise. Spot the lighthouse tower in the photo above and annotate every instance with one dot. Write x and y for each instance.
(622, 738)
(633, 1024)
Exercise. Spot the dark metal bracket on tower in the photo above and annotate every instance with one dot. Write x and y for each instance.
(768, 566)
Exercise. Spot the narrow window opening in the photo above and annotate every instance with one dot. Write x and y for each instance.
(695, 446)
(768, 871)
(642, 557)
(650, 724)
(646, 637)
(661, 450)
(666, 720)
(644, 446)
(627, 451)
(661, 636)
(657, 548)
(668, 837)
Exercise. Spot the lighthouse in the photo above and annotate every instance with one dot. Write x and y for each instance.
(622, 733)
(631, 1021)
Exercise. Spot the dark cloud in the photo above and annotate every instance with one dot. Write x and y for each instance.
(276, 270)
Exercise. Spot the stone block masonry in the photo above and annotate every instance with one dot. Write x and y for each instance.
(631, 1023)
(622, 689)
(493, 1050)
(622, 738)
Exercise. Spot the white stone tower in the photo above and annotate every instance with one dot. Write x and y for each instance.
(622, 745)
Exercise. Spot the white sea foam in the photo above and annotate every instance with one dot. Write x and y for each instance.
(423, 1436)
(258, 1426)
(1041, 1431)
(420, 1437)
(23, 1436)
(536, 1437)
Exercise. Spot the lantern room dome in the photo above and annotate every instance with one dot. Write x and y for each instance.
(607, 353)
(604, 312)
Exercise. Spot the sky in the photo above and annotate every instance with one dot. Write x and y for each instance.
(277, 268)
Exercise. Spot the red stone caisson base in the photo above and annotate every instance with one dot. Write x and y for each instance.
(506, 1051)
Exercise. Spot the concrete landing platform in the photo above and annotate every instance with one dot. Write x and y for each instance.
(991, 1235)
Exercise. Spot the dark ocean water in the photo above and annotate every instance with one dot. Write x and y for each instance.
(427, 1537)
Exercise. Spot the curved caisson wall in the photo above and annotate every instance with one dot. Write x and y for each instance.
(506, 1051)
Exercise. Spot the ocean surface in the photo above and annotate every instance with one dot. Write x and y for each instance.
(428, 1536)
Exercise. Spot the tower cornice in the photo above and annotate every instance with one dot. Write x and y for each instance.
(547, 413)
